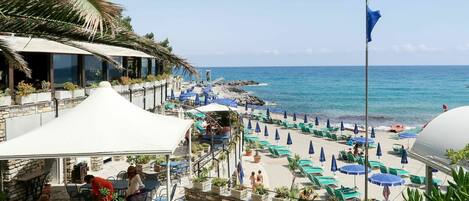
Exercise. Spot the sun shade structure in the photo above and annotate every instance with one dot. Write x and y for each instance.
(449, 130)
(104, 124)
(213, 107)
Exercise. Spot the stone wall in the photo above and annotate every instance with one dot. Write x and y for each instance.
(13, 169)
(191, 194)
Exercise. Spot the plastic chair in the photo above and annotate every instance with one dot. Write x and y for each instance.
(122, 175)
(73, 192)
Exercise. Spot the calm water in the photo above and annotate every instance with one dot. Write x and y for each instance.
(409, 94)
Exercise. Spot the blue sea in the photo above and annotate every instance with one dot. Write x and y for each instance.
(412, 95)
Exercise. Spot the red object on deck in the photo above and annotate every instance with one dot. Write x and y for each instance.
(397, 128)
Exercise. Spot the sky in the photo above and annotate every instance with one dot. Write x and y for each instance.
(214, 33)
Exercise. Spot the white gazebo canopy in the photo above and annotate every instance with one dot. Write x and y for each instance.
(213, 107)
(104, 124)
(449, 130)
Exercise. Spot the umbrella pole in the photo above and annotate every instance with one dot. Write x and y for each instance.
(366, 102)
(355, 181)
(168, 179)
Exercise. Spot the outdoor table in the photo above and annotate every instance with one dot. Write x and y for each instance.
(172, 163)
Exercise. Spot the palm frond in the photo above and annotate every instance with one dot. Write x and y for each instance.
(97, 14)
(14, 58)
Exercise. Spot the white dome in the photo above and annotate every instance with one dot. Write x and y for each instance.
(449, 130)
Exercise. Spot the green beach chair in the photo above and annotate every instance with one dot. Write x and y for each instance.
(311, 170)
(264, 144)
(417, 180)
(322, 181)
(330, 191)
(383, 169)
(399, 172)
(334, 137)
(397, 149)
(277, 153)
(343, 195)
(351, 158)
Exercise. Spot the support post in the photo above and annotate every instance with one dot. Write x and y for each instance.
(190, 150)
(429, 182)
(144, 98)
(168, 177)
(11, 78)
(154, 97)
(366, 102)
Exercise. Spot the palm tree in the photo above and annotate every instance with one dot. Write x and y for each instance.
(68, 21)
(293, 167)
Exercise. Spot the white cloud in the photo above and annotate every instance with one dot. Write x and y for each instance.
(319, 51)
(415, 48)
(272, 52)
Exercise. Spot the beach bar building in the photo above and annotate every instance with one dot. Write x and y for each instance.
(57, 64)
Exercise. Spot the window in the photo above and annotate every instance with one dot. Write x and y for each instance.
(93, 69)
(114, 73)
(145, 67)
(65, 68)
(153, 67)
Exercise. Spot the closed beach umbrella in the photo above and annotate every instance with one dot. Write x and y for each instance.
(249, 124)
(373, 134)
(285, 114)
(404, 158)
(322, 156)
(305, 120)
(342, 127)
(333, 164)
(355, 130)
(246, 107)
(378, 151)
(258, 128)
(197, 99)
(267, 113)
(277, 135)
(172, 94)
(328, 125)
(294, 116)
(289, 141)
(240, 173)
(316, 121)
(311, 148)
(206, 100)
(266, 132)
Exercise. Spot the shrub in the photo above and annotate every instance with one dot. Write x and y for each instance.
(115, 82)
(202, 177)
(70, 86)
(219, 182)
(282, 192)
(261, 190)
(45, 86)
(124, 80)
(151, 78)
(136, 81)
(24, 89)
(140, 159)
(5, 92)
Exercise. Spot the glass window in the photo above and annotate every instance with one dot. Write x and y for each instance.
(153, 67)
(145, 67)
(114, 73)
(93, 69)
(65, 68)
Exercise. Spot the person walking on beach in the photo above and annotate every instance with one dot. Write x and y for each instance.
(253, 179)
(355, 150)
(260, 178)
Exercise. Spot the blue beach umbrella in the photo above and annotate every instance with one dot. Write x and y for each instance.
(266, 132)
(285, 114)
(333, 164)
(206, 100)
(353, 170)
(373, 134)
(249, 124)
(197, 100)
(289, 141)
(267, 113)
(381, 179)
(240, 173)
(355, 130)
(407, 136)
(258, 128)
(328, 125)
(342, 127)
(246, 107)
(362, 140)
(305, 120)
(378, 151)
(311, 148)
(316, 121)
(172, 94)
(322, 156)
(294, 116)
(404, 158)
(277, 135)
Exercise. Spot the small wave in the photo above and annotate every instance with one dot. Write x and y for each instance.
(258, 85)
(267, 103)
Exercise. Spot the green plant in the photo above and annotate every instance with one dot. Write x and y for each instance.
(261, 190)
(222, 156)
(45, 86)
(293, 167)
(5, 92)
(160, 159)
(202, 177)
(307, 193)
(70, 86)
(282, 192)
(115, 82)
(219, 182)
(136, 81)
(139, 159)
(239, 187)
(94, 85)
(124, 80)
(457, 190)
(3, 196)
(457, 156)
(24, 89)
(151, 78)
(412, 195)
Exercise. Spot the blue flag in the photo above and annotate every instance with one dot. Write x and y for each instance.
(372, 18)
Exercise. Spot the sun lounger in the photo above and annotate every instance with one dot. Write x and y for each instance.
(322, 181)
(399, 172)
(287, 125)
(311, 170)
(371, 164)
(264, 144)
(397, 148)
(417, 180)
(330, 191)
(281, 152)
(383, 169)
(351, 158)
(343, 195)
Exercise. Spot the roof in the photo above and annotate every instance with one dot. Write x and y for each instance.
(25, 44)
(104, 124)
(213, 107)
(446, 131)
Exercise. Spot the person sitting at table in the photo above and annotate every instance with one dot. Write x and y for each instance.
(133, 192)
(98, 183)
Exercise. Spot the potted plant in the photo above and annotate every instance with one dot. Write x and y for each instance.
(136, 84)
(122, 84)
(202, 181)
(239, 192)
(260, 193)
(257, 157)
(5, 98)
(307, 193)
(219, 186)
(281, 194)
(44, 93)
(25, 93)
(91, 89)
(248, 151)
(75, 89)
(159, 160)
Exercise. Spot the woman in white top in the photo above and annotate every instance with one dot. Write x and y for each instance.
(135, 184)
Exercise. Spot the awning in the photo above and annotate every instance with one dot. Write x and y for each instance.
(25, 44)
(214, 107)
(104, 124)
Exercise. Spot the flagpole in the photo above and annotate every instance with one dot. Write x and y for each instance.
(366, 101)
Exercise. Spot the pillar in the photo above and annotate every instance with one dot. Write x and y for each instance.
(429, 177)
(168, 177)
(190, 150)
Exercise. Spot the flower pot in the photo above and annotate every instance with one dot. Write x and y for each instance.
(148, 85)
(77, 93)
(257, 158)
(62, 94)
(121, 88)
(239, 194)
(44, 96)
(31, 98)
(279, 199)
(89, 91)
(248, 153)
(220, 190)
(5, 101)
(257, 197)
(203, 186)
(136, 86)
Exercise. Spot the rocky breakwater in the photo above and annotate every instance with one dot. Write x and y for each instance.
(232, 89)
